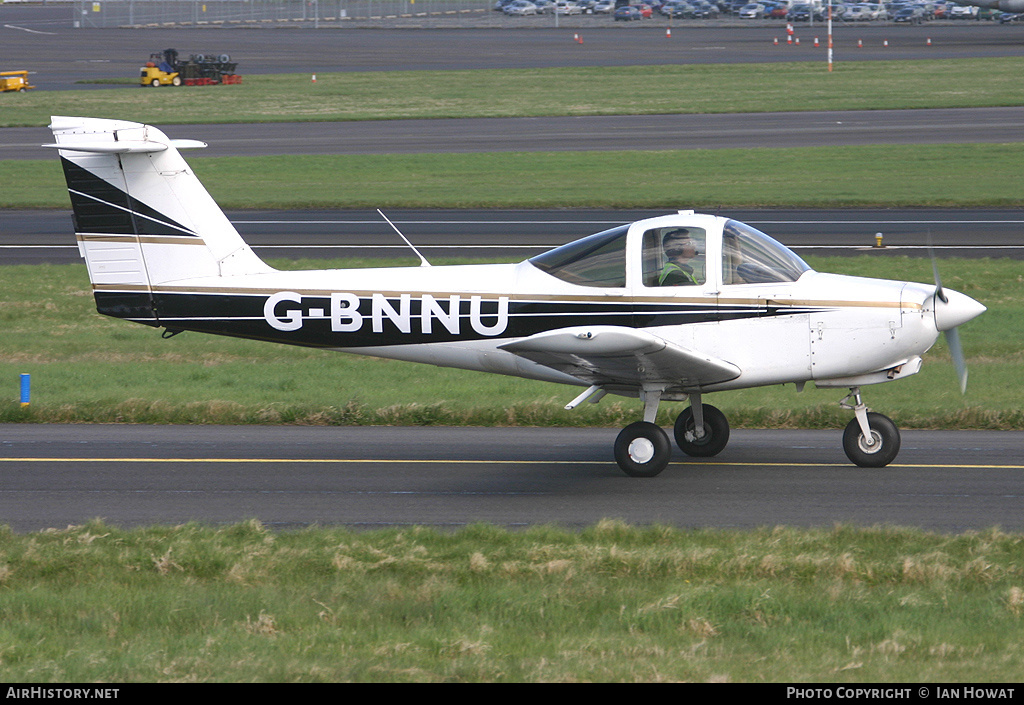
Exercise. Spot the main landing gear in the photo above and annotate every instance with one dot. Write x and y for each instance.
(642, 449)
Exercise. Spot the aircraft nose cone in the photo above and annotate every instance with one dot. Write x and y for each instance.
(956, 310)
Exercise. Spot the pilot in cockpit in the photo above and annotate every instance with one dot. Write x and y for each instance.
(680, 249)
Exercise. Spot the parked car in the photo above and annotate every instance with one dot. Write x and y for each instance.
(803, 13)
(604, 7)
(779, 12)
(856, 13)
(565, 7)
(705, 10)
(626, 13)
(911, 15)
(877, 12)
(677, 9)
(752, 11)
(646, 11)
(520, 8)
(963, 12)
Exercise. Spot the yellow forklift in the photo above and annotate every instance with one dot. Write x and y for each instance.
(161, 70)
(14, 81)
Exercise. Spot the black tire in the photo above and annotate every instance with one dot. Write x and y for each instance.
(716, 432)
(642, 449)
(884, 449)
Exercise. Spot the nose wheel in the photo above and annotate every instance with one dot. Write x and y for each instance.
(871, 440)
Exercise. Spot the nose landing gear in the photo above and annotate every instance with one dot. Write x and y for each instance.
(871, 440)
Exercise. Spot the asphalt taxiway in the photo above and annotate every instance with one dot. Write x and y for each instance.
(375, 477)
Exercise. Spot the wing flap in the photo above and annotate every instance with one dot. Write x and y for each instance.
(614, 355)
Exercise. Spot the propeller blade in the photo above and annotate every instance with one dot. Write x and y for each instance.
(951, 310)
(957, 353)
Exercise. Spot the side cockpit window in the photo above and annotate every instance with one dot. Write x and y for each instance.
(674, 256)
(751, 257)
(598, 260)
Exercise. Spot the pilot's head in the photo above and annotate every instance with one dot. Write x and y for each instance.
(678, 244)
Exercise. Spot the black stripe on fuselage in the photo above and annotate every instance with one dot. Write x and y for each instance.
(244, 315)
(100, 207)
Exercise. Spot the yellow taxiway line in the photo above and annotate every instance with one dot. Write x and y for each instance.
(386, 461)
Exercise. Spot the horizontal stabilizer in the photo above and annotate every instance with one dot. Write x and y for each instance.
(128, 146)
(618, 355)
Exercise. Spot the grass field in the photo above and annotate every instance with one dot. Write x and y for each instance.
(968, 175)
(607, 604)
(629, 90)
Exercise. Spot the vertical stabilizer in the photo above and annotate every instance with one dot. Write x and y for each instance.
(142, 218)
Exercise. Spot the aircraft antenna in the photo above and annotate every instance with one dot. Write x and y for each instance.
(423, 260)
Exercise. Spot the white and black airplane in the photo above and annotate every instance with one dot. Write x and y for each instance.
(669, 308)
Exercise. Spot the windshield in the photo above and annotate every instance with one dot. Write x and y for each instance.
(598, 260)
(751, 257)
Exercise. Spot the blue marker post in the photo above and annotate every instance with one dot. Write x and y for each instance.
(26, 385)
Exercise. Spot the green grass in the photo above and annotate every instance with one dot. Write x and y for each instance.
(90, 368)
(629, 90)
(611, 603)
(953, 175)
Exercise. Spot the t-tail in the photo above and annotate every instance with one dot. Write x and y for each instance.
(142, 218)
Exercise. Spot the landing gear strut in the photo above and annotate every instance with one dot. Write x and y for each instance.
(642, 449)
(871, 440)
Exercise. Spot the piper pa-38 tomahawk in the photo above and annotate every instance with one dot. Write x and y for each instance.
(665, 309)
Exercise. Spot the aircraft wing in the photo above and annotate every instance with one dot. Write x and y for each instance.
(615, 355)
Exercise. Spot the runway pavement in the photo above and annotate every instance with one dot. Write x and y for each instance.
(374, 477)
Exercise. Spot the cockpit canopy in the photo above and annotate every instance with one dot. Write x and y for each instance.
(681, 250)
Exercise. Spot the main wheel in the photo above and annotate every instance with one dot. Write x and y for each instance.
(176, 81)
(885, 442)
(642, 449)
(716, 432)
